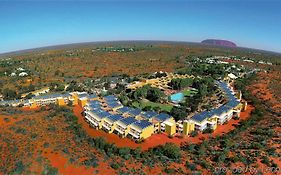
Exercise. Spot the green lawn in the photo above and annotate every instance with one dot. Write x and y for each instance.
(189, 92)
(143, 104)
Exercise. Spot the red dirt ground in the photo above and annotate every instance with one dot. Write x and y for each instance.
(159, 139)
(59, 161)
(30, 109)
(35, 147)
(104, 168)
(263, 168)
(266, 89)
(250, 170)
(277, 161)
(5, 124)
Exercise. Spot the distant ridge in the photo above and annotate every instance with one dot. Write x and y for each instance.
(126, 42)
(218, 42)
(94, 44)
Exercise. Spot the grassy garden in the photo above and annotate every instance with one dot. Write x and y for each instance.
(152, 105)
(189, 92)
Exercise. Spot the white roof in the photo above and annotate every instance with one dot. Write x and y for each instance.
(168, 123)
(232, 76)
(23, 74)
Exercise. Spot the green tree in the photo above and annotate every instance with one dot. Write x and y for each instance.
(60, 87)
(9, 94)
(148, 92)
(19, 169)
(169, 150)
(154, 94)
(202, 91)
(178, 113)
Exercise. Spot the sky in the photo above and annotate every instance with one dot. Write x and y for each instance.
(32, 24)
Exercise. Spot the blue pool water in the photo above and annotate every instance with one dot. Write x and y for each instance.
(177, 97)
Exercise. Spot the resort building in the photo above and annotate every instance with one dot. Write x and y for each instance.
(13, 103)
(109, 123)
(80, 98)
(96, 117)
(75, 98)
(51, 99)
(82, 101)
(61, 101)
(223, 114)
(188, 127)
(204, 120)
(93, 97)
(185, 127)
(161, 83)
(123, 126)
(124, 109)
(112, 102)
(148, 115)
(164, 123)
(83, 98)
(244, 105)
(134, 112)
(92, 105)
(109, 114)
(141, 129)
(170, 127)
(220, 115)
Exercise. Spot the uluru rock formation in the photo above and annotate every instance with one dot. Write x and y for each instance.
(217, 42)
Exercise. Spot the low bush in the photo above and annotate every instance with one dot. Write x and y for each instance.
(115, 166)
(93, 162)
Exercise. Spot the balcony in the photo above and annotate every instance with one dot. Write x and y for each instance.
(179, 125)
(107, 126)
(92, 121)
(119, 130)
(179, 129)
(93, 124)
(135, 135)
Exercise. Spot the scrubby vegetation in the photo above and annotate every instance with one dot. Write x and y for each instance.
(248, 143)
(30, 141)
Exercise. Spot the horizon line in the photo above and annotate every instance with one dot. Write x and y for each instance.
(136, 40)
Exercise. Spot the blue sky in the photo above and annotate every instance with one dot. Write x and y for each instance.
(31, 24)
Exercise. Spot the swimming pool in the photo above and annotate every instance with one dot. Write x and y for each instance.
(177, 97)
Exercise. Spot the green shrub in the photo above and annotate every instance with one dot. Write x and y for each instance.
(46, 145)
(21, 131)
(169, 150)
(190, 166)
(208, 130)
(50, 170)
(169, 170)
(265, 160)
(124, 153)
(194, 133)
(115, 166)
(93, 162)
(34, 136)
(19, 168)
